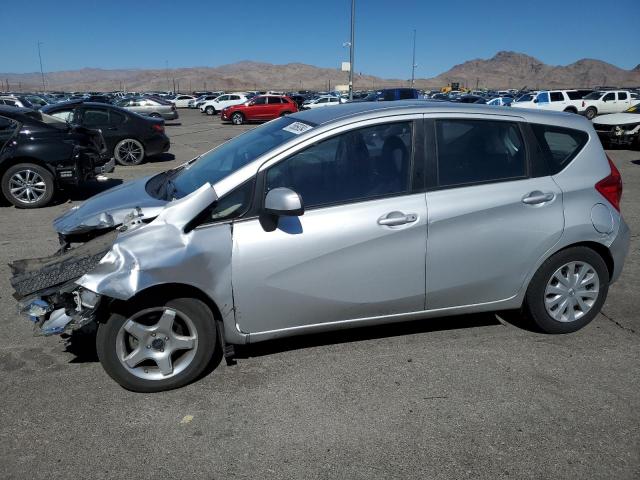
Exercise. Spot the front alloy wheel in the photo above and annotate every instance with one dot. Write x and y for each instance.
(149, 348)
(28, 185)
(129, 152)
(237, 118)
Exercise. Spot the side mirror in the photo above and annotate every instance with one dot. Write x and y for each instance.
(283, 202)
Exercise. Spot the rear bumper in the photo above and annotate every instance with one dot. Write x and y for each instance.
(157, 144)
(619, 249)
(173, 115)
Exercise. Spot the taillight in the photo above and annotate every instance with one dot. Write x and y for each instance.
(610, 187)
(158, 127)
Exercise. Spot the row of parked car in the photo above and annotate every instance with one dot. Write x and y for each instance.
(67, 143)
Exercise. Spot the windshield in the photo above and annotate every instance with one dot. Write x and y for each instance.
(634, 109)
(594, 96)
(225, 159)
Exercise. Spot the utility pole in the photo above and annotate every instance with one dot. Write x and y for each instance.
(351, 47)
(41, 70)
(166, 72)
(413, 62)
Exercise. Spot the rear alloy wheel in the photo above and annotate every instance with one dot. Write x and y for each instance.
(568, 290)
(28, 185)
(591, 113)
(237, 118)
(158, 345)
(129, 152)
(210, 110)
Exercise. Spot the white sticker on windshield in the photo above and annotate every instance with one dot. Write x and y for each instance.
(297, 128)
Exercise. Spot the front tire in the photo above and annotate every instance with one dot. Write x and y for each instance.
(210, 110)
(129, 152)
(157, 345)
(28, 185)
(237, 118)
(590, 113)
(568, 290)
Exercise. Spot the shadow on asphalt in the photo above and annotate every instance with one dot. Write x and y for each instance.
(88, 189)
(367, 333)
(636, 162)
(82, 343)
(161, 157)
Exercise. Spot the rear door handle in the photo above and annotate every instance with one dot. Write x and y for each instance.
(393, 219)
(537, 197)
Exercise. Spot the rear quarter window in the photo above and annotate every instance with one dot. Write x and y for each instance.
(557, 146)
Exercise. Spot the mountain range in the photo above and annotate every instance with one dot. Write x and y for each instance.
(504, 70)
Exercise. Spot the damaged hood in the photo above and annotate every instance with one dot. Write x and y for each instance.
(108, 209)
(618, 119)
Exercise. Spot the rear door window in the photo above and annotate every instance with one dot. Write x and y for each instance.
(622, 95)
(557, 146)
(95, 117)
(479, 151)
(556, 97)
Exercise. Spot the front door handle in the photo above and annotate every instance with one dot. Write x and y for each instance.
(393, 219)
(537, 197)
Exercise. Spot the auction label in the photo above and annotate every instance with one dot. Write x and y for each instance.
(297, 128)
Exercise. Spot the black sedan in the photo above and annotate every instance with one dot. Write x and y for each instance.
(40, 153)
(130, 137)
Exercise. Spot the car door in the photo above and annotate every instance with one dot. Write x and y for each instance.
(608, 104)
(274, 106)
(257, 109)
(356, 253)
(98, 118)
(491, 215)
(623, 101)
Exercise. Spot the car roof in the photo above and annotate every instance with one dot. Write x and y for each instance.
(364, 110)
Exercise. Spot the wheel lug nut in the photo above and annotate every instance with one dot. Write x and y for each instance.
(153, 334)
(162, 349)
(166, 338)
(148, 346)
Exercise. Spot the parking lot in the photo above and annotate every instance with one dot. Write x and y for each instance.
(478, 396)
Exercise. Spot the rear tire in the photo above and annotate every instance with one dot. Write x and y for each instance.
(570, 110)
(210, 110)
(28, 185)
(284, 114)
(133, 344)
(129, 152)
(590, 113)
(155, 115)
(568, 290)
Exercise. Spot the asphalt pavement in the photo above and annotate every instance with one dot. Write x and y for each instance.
(477, 397)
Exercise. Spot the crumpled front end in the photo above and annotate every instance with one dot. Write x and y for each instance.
(64, 291)
(46, 290)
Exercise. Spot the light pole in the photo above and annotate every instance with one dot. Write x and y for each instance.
(41, 70)
(351, 47)
(413, 62)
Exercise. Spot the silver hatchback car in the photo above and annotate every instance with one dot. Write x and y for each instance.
(336, 218)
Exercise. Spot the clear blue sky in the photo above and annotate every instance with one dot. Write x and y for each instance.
(145, 34)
